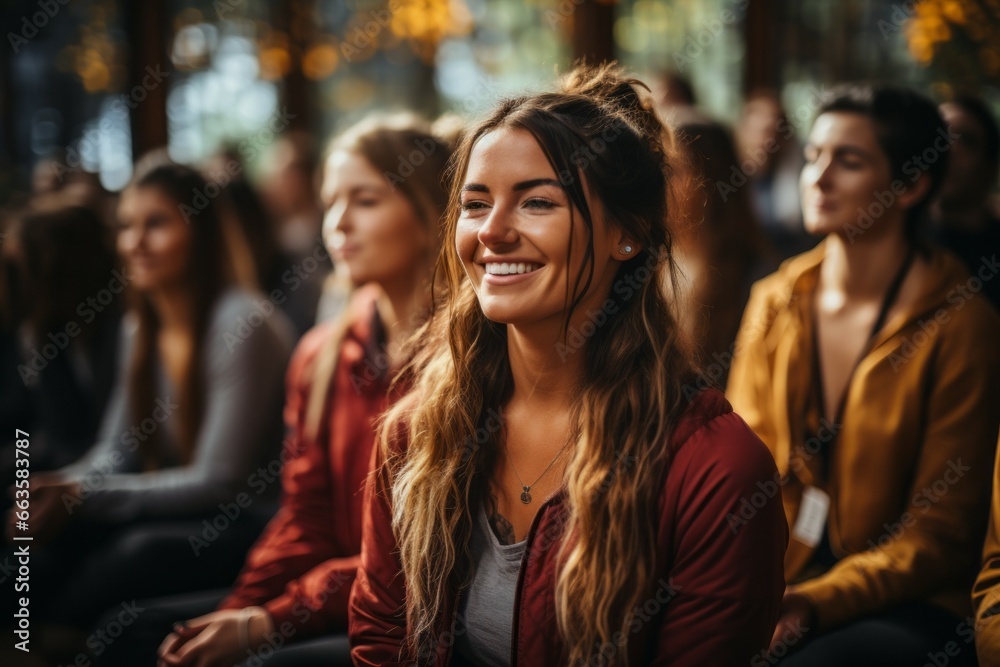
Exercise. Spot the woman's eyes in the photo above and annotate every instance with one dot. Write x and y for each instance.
(534, 202)
(539, 203)
(848, 162)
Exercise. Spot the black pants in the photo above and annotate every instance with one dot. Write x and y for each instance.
(913, 635)
(94, 567)
(137, 644)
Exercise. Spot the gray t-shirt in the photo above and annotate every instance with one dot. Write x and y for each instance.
(486, 610)
(237, 447)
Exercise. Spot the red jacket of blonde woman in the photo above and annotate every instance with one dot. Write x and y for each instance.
(302, 567)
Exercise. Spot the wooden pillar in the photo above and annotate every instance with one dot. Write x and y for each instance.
(759, 67)
(9, 157)
(296, 89)
(148, 73)
(593, 31)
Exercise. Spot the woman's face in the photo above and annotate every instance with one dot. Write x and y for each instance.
(154, 240)
(371, 228)
(516, 239)
(846, 181)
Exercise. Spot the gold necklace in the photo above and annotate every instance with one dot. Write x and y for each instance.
(526, 493)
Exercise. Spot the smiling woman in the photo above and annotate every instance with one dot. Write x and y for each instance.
(591, 524)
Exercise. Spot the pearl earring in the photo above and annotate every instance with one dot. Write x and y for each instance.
(626, 249)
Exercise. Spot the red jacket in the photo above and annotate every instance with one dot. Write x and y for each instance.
(302, 567)
(721, 581)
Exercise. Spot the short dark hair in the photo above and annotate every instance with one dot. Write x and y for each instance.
(906, 125)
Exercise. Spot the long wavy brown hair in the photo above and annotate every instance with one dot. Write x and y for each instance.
(208, 273)
(600, 135)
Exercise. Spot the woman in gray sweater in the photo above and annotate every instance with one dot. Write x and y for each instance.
(185, 470)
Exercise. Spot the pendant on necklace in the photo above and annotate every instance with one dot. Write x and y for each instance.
(525, 496)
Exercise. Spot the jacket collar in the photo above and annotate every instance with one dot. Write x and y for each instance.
(366, 357)
(945, 275)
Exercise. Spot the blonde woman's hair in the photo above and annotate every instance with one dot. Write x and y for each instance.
(598, 129)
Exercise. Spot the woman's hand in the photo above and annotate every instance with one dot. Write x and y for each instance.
(794, 621)
(213, 640)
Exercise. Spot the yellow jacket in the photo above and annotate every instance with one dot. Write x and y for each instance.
(986, 593)
(910, 472)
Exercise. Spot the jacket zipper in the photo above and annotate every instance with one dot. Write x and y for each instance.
(520, 575)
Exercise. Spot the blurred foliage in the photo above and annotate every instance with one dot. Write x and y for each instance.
(957, 39)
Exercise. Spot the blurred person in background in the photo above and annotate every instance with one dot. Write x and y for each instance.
(871, 371)
(264, 262)
(769, 162)
(718, 245)
(674, 95)
(299, 574)
(194, 418)
(288, 188)
(66, 297)
(964, 214)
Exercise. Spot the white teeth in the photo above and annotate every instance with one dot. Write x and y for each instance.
(505, 268)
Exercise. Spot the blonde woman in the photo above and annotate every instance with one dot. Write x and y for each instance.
(548, 493)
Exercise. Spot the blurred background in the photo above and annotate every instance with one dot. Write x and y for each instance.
(94, 84)
(248, 92)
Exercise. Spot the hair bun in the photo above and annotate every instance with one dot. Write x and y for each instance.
(625, 96)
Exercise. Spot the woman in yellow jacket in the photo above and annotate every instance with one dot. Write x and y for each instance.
(868, 366)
